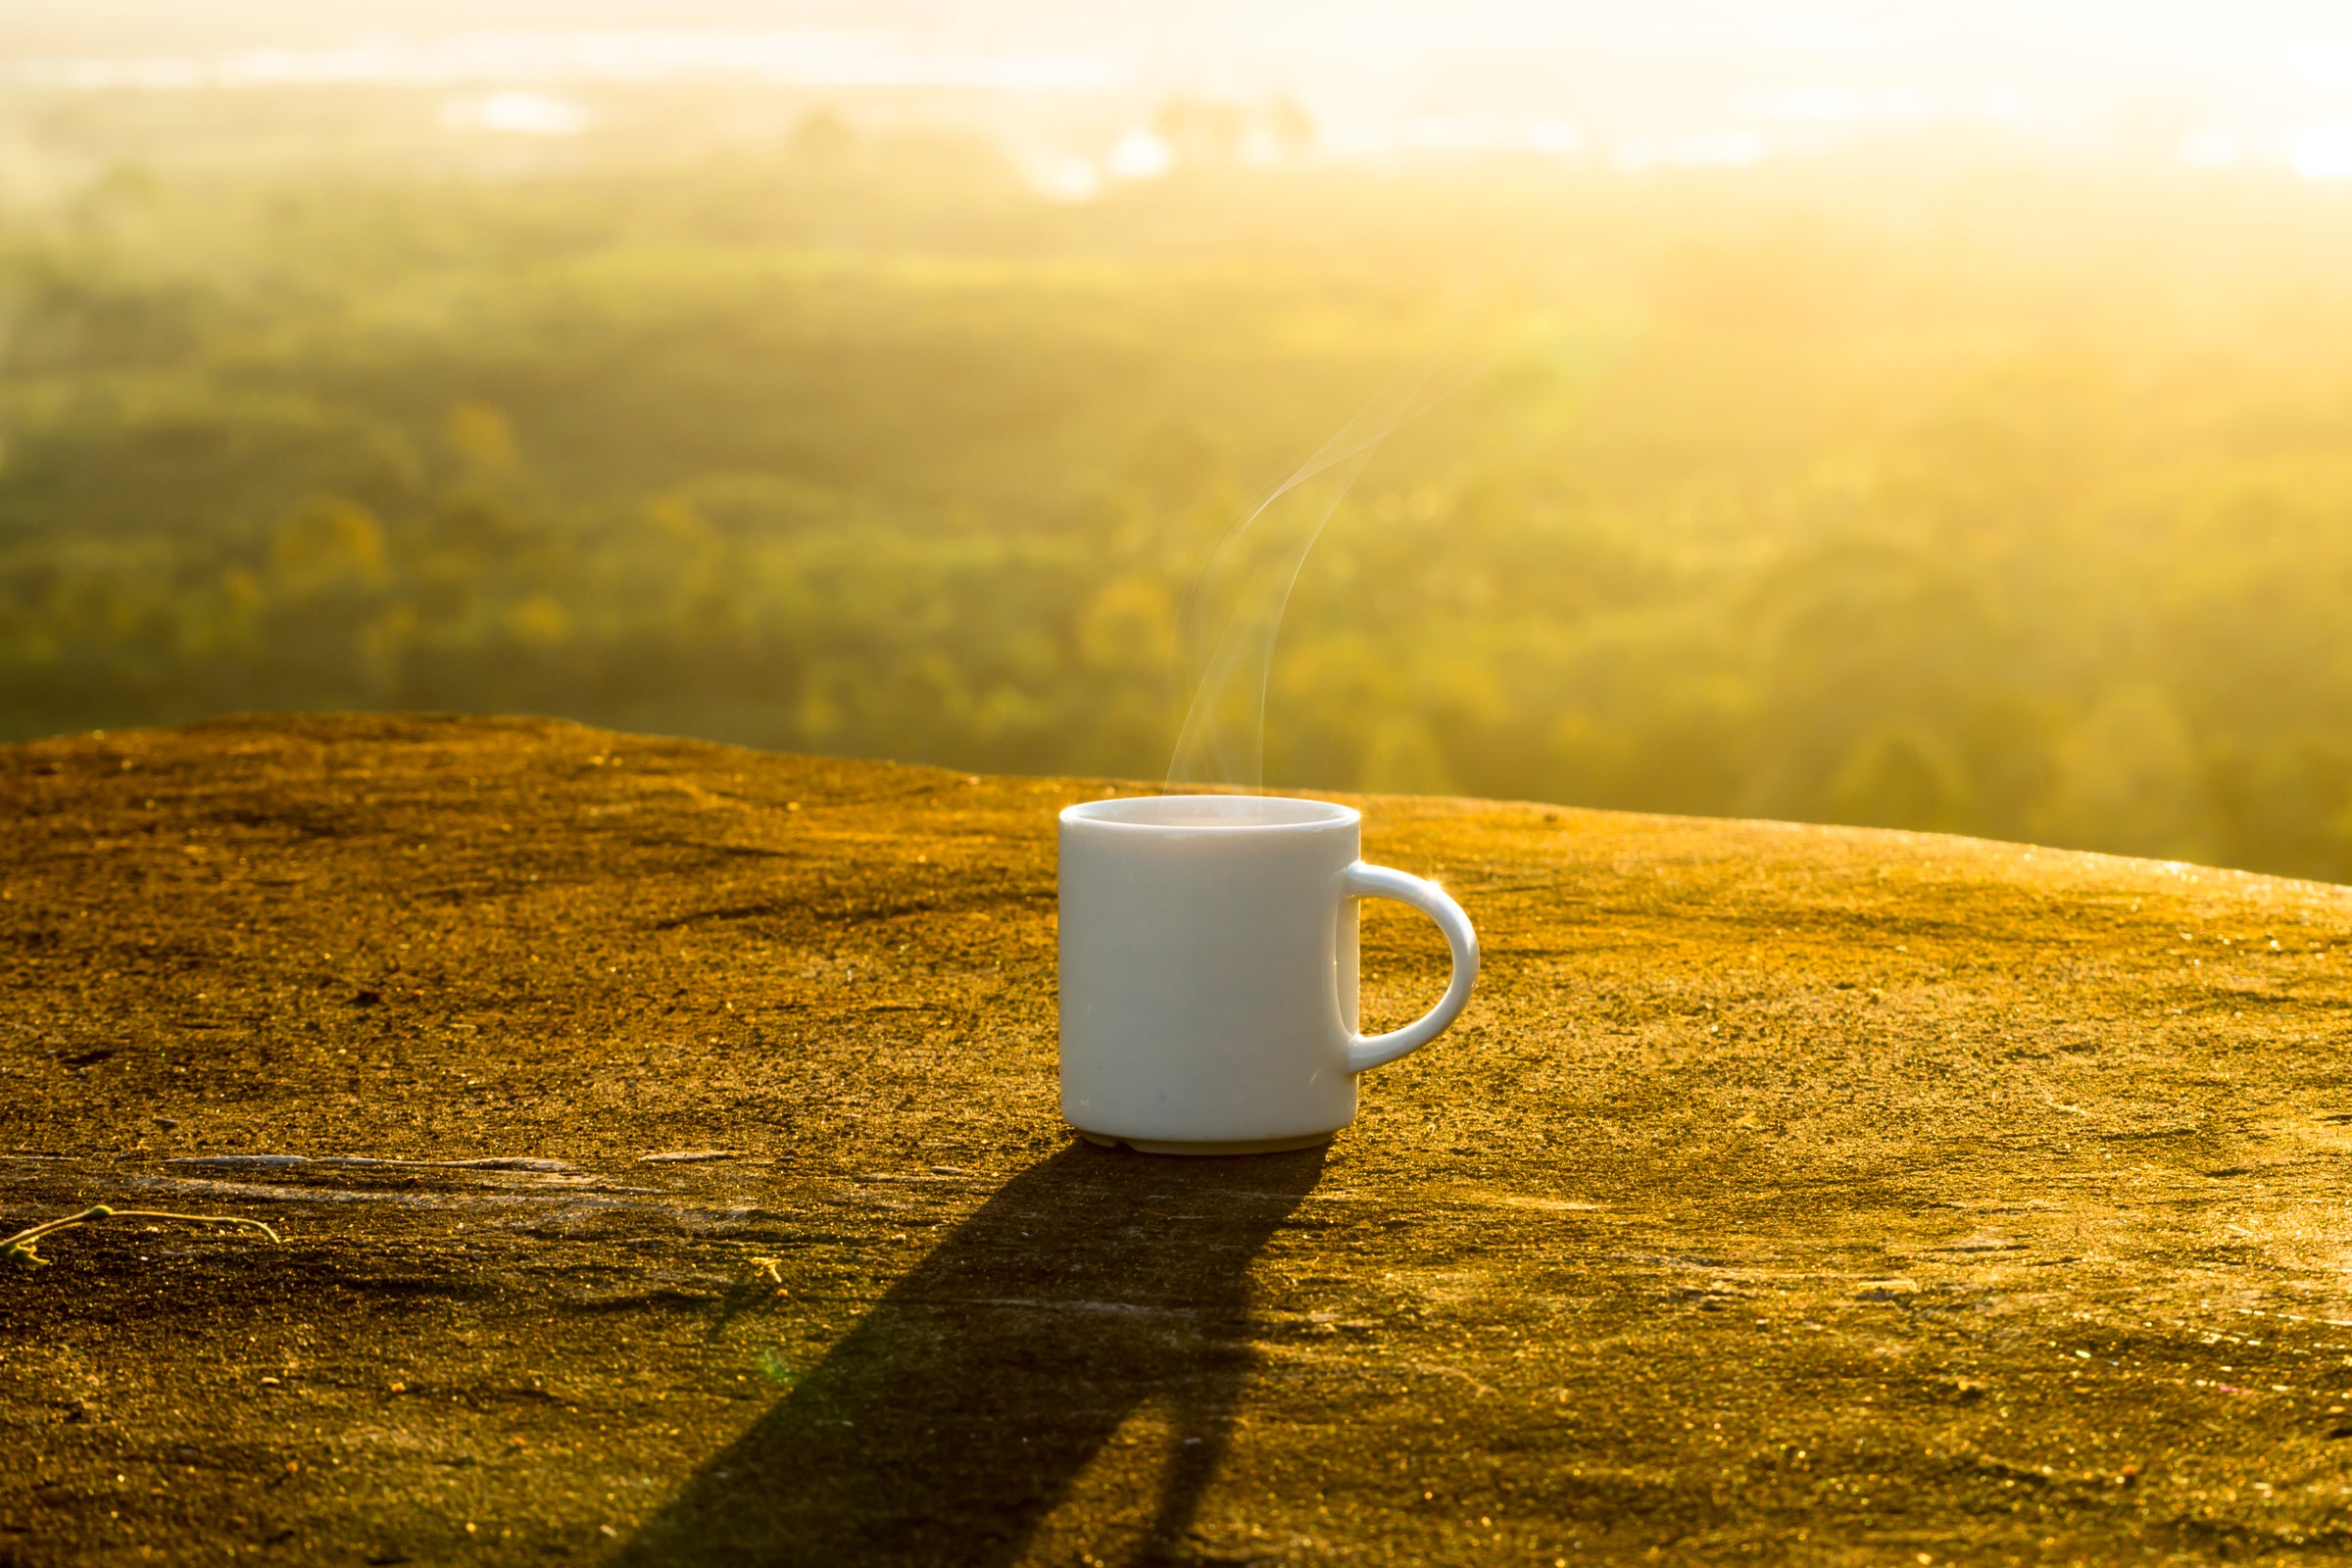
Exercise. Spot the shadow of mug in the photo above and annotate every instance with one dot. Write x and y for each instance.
(951, 1419)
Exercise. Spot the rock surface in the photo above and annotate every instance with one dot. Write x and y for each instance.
(665, 1143)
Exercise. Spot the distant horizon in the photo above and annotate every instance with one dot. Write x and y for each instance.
(1073, 92)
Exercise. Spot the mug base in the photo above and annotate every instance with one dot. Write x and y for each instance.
(1245, 1146)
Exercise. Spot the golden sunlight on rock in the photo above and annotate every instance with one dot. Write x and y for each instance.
(669, 1172)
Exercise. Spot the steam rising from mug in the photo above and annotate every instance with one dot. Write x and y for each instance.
(1234, 612)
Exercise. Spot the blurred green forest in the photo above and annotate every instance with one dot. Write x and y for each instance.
(2015, 502)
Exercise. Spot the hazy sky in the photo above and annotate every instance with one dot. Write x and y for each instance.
(2222, 81)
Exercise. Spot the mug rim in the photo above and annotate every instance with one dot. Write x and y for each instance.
(1132, 812)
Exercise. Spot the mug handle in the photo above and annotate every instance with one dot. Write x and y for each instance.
(1361, 881)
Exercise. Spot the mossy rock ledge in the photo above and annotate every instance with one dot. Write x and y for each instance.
(664, 1140)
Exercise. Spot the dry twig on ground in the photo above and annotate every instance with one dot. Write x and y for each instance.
(21, 1247)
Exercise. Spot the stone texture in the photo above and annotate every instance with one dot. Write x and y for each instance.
(665, 1143)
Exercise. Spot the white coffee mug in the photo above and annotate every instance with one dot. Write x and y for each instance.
(1209, 972)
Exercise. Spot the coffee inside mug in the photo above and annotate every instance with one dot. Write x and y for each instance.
(1212, 811)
